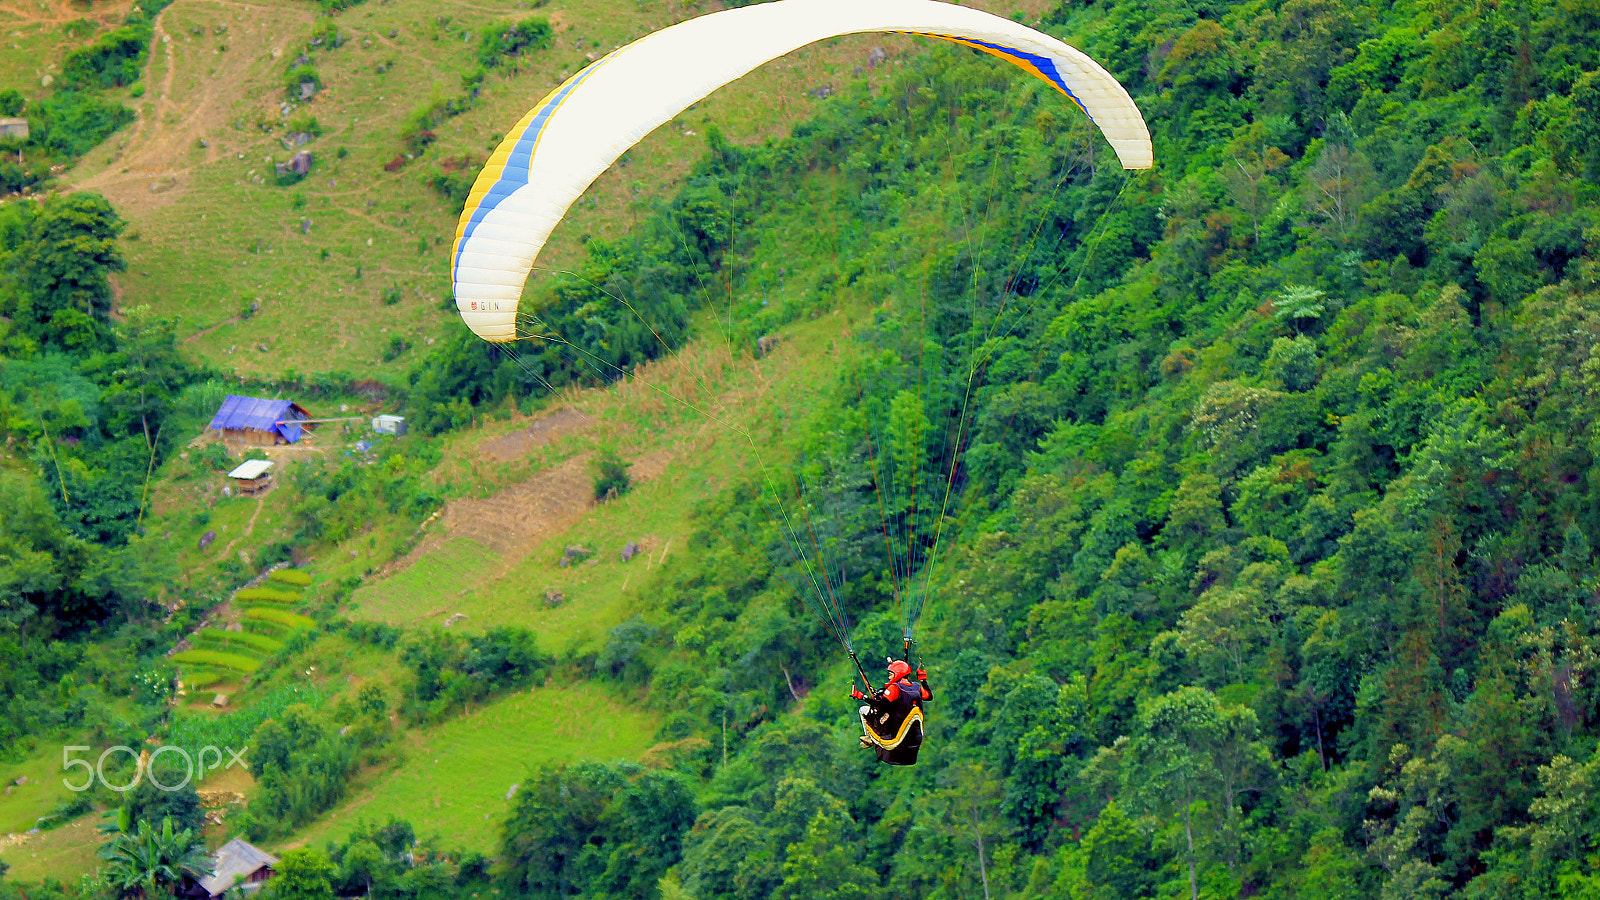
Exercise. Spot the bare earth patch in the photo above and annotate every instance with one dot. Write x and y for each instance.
(548, 428)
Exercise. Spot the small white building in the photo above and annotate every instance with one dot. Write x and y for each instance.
(389, 424)
(13, 129)
(253, 475)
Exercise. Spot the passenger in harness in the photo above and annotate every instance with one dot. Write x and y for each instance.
(891, 720)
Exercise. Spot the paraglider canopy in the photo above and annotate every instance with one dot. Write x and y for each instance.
(576, 132)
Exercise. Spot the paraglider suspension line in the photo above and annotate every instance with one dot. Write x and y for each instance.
(860, 671)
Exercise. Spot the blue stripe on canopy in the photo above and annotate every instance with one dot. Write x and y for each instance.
(519, 163)
(1043, 66)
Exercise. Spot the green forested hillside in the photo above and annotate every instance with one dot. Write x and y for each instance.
(1274, 573)
(1268, 567)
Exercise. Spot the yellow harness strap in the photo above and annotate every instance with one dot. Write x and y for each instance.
(905, 727)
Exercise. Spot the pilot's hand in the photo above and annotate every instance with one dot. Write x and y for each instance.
(922, 674)
(857, 695)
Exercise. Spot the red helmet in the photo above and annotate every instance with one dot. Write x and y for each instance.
(898, 669)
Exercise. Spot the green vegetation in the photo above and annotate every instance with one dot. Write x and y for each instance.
(1268, 568)
(283, 618)
(268, 595)
(115, 60)
(153, 860)
(293, 577)
(77, 115)
(502, 45)
(1247, 595)
(302, 762)
(238, 662)
(595, 828)
(609, 474)
(481, 754)
(216, 637)
(452, 669)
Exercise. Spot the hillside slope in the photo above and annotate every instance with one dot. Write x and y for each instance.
(323, 275)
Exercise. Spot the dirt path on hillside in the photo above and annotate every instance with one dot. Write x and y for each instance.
(249, 526)
(156, 155)
(60, 12)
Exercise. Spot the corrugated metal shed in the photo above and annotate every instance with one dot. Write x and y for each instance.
(251, 468)
(258, 415)
(238, 861)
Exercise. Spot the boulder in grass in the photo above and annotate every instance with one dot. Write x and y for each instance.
(554, 598)
(298, 164)
(207, 538)
(629, 551)
(573, 554)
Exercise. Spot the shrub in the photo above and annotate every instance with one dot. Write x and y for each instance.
(325, 33)
(300, 75)
(454, 187)
(200, 400)
(500, 43)
(374, 633)
(112, 61)
(610, 475)
(74, 122)
(304, 123)
(451, 668)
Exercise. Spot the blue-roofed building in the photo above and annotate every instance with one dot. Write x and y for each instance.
(252, 420)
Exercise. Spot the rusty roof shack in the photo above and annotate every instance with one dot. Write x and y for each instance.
(252, 420)
(236, 865)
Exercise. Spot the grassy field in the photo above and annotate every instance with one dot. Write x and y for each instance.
(21, 805)
(681, 456)
(454, 778)
(63, 853)
(36, 34)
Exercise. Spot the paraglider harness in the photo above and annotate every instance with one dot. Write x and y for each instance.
(891, 719)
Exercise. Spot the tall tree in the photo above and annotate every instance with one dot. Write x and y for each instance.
(152, 861)
(67, 262)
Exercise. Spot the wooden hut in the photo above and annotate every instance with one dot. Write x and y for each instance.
(252, 476)
(238, 866)
(258, 422)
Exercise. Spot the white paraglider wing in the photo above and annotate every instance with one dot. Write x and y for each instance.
(578, 130)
